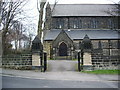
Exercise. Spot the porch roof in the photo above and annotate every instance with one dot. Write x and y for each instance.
(79, 34)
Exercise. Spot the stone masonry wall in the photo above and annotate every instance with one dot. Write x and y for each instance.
(47, 48)
(23, 61)
(101, 61)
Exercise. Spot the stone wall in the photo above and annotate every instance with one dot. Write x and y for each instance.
(103, 61)
(47, 48)
(23, 61)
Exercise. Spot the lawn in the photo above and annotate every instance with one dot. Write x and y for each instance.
(112, 72)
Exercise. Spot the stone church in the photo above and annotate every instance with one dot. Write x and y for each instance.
(68, 27)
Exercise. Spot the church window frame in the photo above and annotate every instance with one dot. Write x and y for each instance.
(94, 23)
(59, 23)
(76, 23)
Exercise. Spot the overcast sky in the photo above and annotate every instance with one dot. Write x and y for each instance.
(84, 1)
(31, 8)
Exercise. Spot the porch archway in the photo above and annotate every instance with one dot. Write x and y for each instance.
(62, 49)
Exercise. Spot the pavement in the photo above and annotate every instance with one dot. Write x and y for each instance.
(61, 71)
(66, 79)
(68, 75)
(0, 79)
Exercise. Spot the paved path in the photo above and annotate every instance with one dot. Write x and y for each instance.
(61, 65)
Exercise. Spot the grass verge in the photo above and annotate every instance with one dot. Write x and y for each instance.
(112, 72)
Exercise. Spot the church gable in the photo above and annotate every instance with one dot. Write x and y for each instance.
(62, 37)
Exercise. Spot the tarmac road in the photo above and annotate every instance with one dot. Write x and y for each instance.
(66, 79)
(21, 82)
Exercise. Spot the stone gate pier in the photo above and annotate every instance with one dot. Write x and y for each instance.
(37, 49)
(86, 48)
(87, 61)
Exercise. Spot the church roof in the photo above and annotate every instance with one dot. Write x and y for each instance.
(83, 10)
(79, 34)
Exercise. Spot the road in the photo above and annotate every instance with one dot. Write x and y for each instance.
(19, 82)
(56, 78)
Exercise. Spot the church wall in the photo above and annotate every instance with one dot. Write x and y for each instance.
(107, 57)
(95, 43)
(47, 48)
(83, 23)
(102, 58)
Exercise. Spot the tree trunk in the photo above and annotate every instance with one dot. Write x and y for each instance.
(42, 4)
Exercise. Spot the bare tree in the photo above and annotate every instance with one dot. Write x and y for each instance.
(17, 30)
(55, 3)
(114, 11)
(9, 11)
(30, 34)
(40, 6)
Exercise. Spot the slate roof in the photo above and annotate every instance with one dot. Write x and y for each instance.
(83, 9)
(36, 40)
(80, 34)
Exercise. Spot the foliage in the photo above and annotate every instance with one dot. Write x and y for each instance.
(103, 72)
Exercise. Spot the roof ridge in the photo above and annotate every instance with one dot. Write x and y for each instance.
(84, 4)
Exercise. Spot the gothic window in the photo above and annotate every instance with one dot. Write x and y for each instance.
(79, 23)
(119, 22)
(93, 23)
(118, 44)
(110, 23)
(76, 23)
(59, 23)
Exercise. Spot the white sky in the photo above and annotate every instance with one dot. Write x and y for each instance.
(84, 1)
(31, 8)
